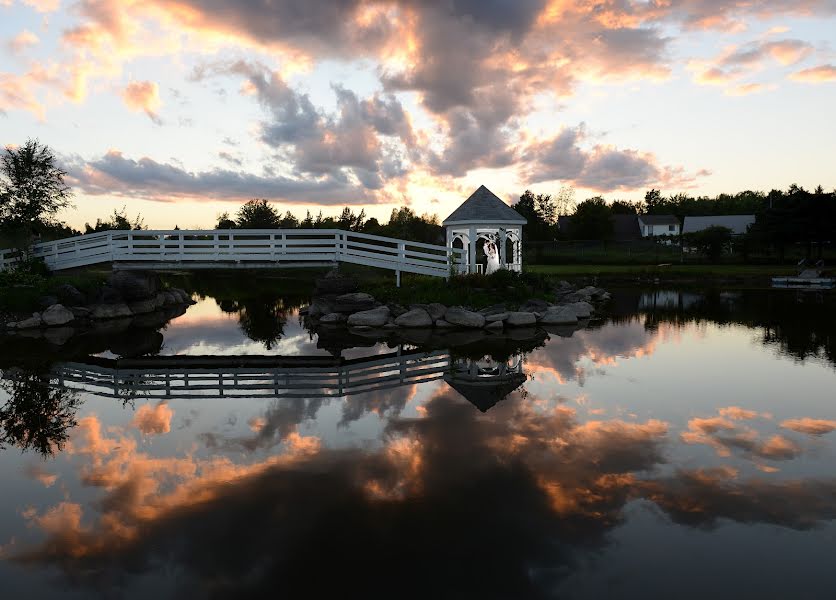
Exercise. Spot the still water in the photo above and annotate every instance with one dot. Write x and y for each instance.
(682, 447)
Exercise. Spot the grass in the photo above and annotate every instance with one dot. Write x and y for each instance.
(664, 272)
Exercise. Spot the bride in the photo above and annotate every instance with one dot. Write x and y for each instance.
(492, 255)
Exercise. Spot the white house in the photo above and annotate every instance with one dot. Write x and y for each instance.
(739, 224)
(653, 225)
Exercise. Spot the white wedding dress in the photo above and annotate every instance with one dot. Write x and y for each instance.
(493, 258)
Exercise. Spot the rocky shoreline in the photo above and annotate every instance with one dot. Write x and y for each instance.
(336, 304)
(127, 294)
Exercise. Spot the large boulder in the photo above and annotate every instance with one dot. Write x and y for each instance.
(417, 317)
(141, 307)
(333, 318)
(319, 307)
(583, 310)
(30, 323)
(376, 317)
(493, 309)
(559, 315)
(464, 318)
(534, 305)
(57, 315)
(436, 310)
(520, 319)
(496, 317)
(69, 295)
(353, 302)
(110, 311)
(135, 285)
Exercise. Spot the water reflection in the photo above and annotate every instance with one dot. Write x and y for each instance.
(419, 470)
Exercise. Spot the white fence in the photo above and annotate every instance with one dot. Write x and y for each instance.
(245, 248)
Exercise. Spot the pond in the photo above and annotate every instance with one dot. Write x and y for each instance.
(680, 447)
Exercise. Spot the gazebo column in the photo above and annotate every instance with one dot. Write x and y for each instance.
(450, 256)
(518, 250)
(503, 264)
(471, 250)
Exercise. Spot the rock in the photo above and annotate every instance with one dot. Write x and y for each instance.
(442, 324)
(436, 310)
(559, 315)
(417, 317)
(534, 305)
(108, 295)
(497, 317)
(110, 311)
(335, 283)
(134, 285)
(141, 307)
(356, 301)
(582, 310)
(81, 312)
(30, 323)
(319, 307)
(57, 315)
(390, 326)
(375, 317)
(181, 295)
(169, 298)
(69, 295)
(397, 310)
(521, 319)
(605, 297)
(575, 297)
(47, 301)
(333, 318)
(464, 318)
(494, 325)
(493, 309)
(159, 300)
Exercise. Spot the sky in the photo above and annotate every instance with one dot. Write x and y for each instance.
(183, 109)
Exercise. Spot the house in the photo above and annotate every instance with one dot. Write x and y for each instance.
(625, 228)
(739, 224)
(653, 225)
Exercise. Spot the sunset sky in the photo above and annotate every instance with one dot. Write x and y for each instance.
(182, 109)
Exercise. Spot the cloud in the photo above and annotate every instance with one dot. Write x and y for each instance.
(602, 168)
(143, 96)
(23, 40)
(810, 426)
(726, 437)
(819, 74)
(153, 420)
(116, 175)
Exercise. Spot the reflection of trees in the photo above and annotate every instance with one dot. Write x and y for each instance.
(800, 324)
(261, 319)
(36, 415)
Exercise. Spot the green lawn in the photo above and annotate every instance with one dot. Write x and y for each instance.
(672, 270)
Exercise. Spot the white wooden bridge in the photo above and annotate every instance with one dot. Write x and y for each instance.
(245, 248)
(179, 377)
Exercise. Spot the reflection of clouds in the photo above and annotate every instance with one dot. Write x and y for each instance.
(153, 420)
(519, 487)
(38, 473)
(726, 434)
(602, 346)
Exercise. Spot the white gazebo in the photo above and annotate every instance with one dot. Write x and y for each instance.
(489, 231)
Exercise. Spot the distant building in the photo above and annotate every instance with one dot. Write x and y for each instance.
(625, 228)
(739, 224)
(653, 225)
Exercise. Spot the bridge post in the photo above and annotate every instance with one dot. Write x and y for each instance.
(401, 261)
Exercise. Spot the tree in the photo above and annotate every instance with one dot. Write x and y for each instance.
(289, 221)
(623, 207)
(652, 201)
(592, 220)
(711, 241)
(32, 188)
(564, 201)
(258, 214)
(541, 213)
(225, 221)
(119, 221)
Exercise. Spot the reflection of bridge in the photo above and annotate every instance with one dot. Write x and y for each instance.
(244, 248)
(177, 377)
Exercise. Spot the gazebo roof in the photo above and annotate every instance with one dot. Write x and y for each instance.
(484, 206)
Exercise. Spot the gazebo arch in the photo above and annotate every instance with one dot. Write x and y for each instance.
(484, 219)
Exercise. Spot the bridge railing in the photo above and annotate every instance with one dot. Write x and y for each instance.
(246, 247)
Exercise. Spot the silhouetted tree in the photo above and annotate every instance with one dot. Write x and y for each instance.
(119, 221)
(592, 220)
(225, 221)
(258, 214)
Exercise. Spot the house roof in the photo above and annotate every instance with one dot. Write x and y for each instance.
(485, 207)
(485, 393)
(659, 219)
(737, 223)
(625, 228)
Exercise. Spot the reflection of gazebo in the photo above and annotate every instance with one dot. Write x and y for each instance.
(485, 217)
(483, 383)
